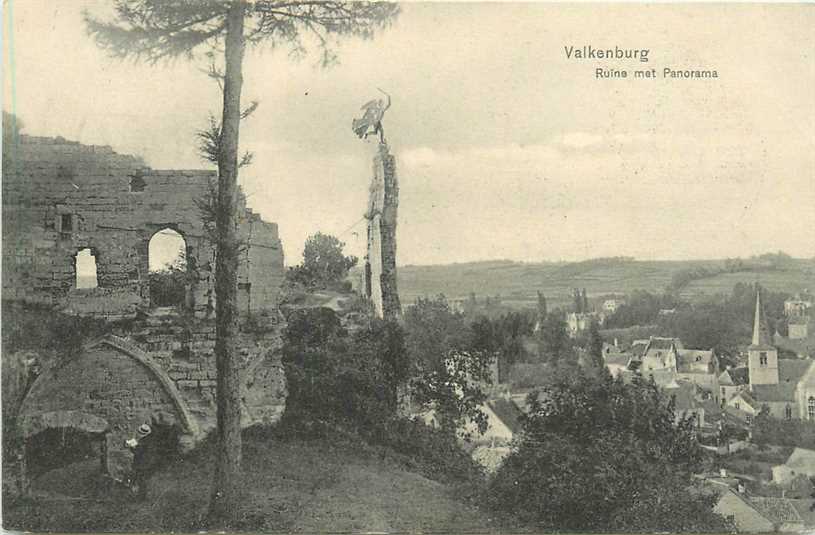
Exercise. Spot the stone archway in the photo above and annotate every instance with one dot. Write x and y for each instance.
(170, 283)
(114, 385)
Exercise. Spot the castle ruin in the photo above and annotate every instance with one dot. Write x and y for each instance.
(61, 198)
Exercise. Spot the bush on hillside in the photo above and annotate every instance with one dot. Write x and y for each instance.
(599, 454)
(346, 379)
(344, 385)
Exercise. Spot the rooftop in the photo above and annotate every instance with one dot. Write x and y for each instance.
(693, 358)
(508, 412)
(801, 460)
(735, 376)
(776, 510)
(790, 372)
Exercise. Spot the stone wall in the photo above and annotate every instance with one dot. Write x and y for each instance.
(380, 261)
(261, 271)
(185, 348)
(162, 369)
(60, 197)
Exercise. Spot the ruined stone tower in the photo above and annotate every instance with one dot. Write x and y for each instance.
(380, 260)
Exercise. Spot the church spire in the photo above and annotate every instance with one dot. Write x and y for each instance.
(760, 335)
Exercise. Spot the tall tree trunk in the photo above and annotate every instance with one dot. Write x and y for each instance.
(225, 488)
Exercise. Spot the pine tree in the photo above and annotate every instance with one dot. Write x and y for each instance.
(595, 345)
(155, 30)
(541, 307)
(541, 319)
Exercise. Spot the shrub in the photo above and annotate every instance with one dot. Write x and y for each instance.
(341, 378)
(598, 454)
(168, 287)
(324, 266)
(523, 375)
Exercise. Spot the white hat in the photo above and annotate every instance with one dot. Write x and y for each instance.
(143, 431)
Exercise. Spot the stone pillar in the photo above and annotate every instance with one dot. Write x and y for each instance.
(383, 203)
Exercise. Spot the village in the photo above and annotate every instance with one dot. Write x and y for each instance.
(355, 299)
(721, 400)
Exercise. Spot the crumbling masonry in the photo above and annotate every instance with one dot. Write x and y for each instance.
(380, 261)
(60, 197)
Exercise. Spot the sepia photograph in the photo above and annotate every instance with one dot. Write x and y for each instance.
(329, 266)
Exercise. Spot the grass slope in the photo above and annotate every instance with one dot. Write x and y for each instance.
(517, 283)
(289, 486)
(787, 280)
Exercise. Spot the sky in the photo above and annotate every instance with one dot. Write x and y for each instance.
(505, 147)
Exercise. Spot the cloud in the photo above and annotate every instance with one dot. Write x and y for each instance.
(580, 140)
(506, 154)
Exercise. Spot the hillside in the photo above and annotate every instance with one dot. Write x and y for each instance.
(290, 486)
(517, 283)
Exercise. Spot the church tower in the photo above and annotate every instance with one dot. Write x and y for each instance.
(762, 356)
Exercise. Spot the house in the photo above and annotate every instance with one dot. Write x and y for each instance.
(610, 306)
(802, 461)
(743, 407)
(701, 367)
(638, 348)
(733, 380)
(503, 423)
(689, 401)
(616, 359)
(667, 359)
(660, 354)
(797, 306)
(578, 322)
(798, 327)
(791, 483)
(785, 386)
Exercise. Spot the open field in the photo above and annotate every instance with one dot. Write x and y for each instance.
(289, 486)
(791, 281)
(517, 282)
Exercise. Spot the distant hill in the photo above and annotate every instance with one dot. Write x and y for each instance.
(518, 282)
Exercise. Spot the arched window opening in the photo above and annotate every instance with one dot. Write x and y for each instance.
(85, 270)
(167, 261)
(137, 183)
